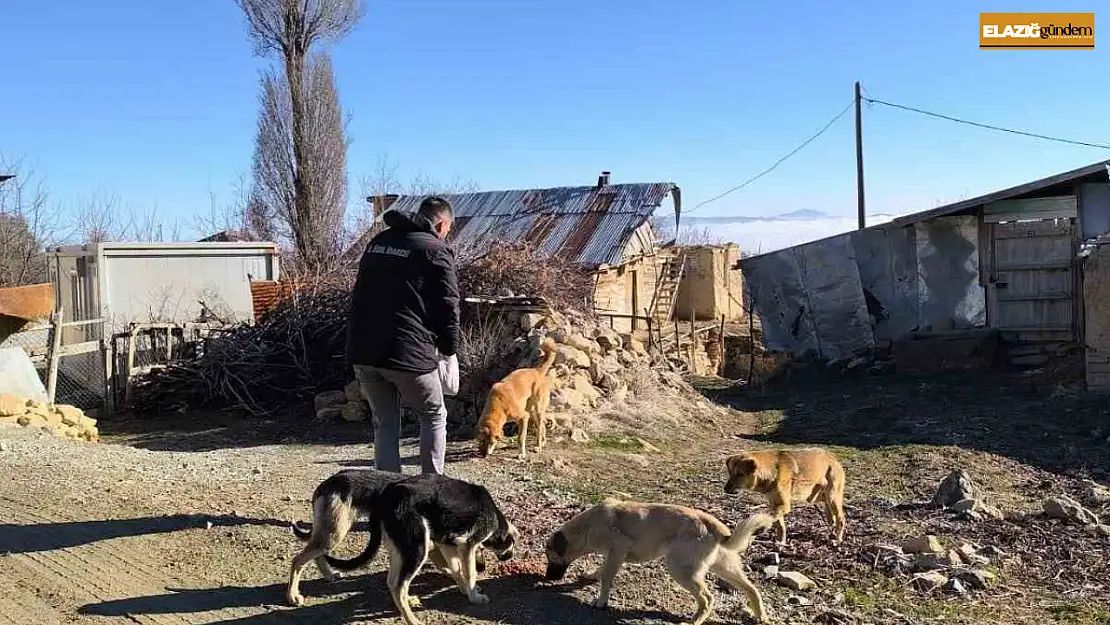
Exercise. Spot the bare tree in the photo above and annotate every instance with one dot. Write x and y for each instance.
(104, 217)
(384, 180)
(28, 224)
(300, 156)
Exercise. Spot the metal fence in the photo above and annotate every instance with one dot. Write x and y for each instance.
(71, 360)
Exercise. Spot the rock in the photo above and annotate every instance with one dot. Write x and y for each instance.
(976, 509)
(328, 399)
(353, 391)
(24, 420)
(1095, 494)
(572, 357)
(619, 394)
(955, 586)
(935, 561)
(922, 544)
(354, 411)
(582, 343)
(609, 340)
(795, 580)
(929, 581)
(12, 405)
(329, 413)
(580, 382)
(633, 344)
(4, 446)
(970, 556)
(568, 399)
(1068, 509)
(70, 415)
(799, 600)
(646, 446)
(1100, 530)
(528, 321)
(978, 579)
(770, 571)
(957, 485)
(579, 435)
(626, 358)
(601, 367)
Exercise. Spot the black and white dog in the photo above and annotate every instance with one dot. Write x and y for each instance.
(433, 515)
(336, 504)
(423, 517)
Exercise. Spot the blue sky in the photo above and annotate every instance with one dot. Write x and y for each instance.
(156, 101)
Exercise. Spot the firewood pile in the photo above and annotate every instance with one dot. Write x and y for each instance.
(278, 363)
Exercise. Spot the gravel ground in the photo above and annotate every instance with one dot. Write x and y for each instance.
(187, 522)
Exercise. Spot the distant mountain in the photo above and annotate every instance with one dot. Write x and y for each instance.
(805, 213)
(802, 214)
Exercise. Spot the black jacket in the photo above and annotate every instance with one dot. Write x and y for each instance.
(405, 304)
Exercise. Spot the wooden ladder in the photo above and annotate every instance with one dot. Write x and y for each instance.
(666, 290)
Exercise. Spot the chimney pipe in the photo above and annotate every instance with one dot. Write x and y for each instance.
(603, 179)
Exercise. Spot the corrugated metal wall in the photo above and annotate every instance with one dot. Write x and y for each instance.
(836, 296)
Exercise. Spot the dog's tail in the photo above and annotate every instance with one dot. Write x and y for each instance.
(547, 346)
(746, 530)
(300, 532)
(367, 554)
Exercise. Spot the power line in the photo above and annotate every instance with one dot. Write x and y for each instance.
(986, 126)
(778, 162)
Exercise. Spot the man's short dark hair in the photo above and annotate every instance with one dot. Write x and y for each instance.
(435, 209)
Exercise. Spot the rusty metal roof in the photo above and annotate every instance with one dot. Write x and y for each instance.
(587, 225)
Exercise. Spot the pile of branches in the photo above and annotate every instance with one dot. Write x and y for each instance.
(520, 269)
(298, 349)
(292, 352)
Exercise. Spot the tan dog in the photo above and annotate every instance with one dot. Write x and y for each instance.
(786, 476)
(691, 542)
(522, 396)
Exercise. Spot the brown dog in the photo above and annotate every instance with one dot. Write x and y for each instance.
(785, 476)
(522, 396)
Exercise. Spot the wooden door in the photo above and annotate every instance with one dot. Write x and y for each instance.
(1032, 282)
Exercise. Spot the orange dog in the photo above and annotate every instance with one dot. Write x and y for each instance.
(788, 475)
(521, 397)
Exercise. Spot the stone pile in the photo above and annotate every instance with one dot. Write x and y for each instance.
(932, 567)
(593, 365)
(59, 419)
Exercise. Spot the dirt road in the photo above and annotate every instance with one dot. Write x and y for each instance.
(187, 522)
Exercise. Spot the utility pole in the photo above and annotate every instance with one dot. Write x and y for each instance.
(859, 158)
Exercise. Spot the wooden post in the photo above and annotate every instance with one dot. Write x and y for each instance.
(131, 336)
(55, 355)
(721, 346)
(677, 347)
(859, 158)
(693, 338)
(107, 349)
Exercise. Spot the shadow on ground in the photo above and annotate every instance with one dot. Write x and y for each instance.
(1052, 427)
(514, 600)
(210, 431)
(31, 538)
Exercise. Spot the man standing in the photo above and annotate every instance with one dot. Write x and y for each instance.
(404, 315)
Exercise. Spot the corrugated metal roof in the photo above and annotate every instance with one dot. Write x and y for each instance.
(590, 225)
